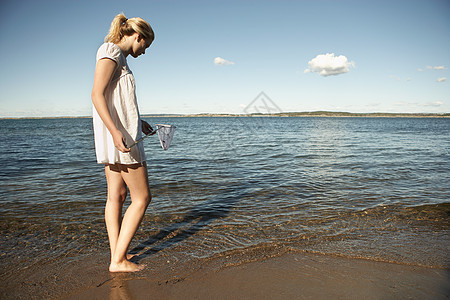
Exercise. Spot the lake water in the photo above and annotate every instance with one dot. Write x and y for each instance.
(373, 188)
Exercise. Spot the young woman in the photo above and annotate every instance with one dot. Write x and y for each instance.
(117, 123)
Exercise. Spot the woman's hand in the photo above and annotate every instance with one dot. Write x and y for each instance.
(119, 141)
(146, 128)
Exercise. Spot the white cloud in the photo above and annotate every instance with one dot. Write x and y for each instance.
(435, 68)
(441, 79)
(328, 64)
(219, 61)
(434, 104)
(400, 79)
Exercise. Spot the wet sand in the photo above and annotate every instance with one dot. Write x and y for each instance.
(290, 276)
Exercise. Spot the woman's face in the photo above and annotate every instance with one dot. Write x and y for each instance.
(139, 46)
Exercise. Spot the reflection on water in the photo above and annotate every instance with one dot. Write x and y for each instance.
(361, 187)
(119, 288)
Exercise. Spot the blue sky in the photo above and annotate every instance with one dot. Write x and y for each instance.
(355, 56)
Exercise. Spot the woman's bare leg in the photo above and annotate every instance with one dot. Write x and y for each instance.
(136, 178)
(117, 193)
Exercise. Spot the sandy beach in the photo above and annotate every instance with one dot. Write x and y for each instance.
(291, 275)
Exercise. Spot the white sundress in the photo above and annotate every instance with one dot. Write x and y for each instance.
(122, 104)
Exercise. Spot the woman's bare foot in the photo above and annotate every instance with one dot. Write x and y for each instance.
(130, 256)
(125, 266)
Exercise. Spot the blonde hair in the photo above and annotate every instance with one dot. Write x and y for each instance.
(121, 26)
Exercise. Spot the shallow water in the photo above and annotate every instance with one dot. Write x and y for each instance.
(376, 188)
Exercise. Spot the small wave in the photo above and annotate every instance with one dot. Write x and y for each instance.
(425, 214)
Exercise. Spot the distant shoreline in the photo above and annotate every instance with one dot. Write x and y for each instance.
(316, 114)
(282, 114)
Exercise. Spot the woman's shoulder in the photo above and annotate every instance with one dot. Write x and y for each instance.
(109, 50)
(109, 45)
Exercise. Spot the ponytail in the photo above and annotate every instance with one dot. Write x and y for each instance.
(121, 26)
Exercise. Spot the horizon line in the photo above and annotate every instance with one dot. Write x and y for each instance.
(318, 113)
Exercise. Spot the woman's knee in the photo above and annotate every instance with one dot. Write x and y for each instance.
(122, 194)
(148, 199)
(118, 195)
(142, 201)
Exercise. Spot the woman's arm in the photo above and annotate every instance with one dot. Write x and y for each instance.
(103, 73)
